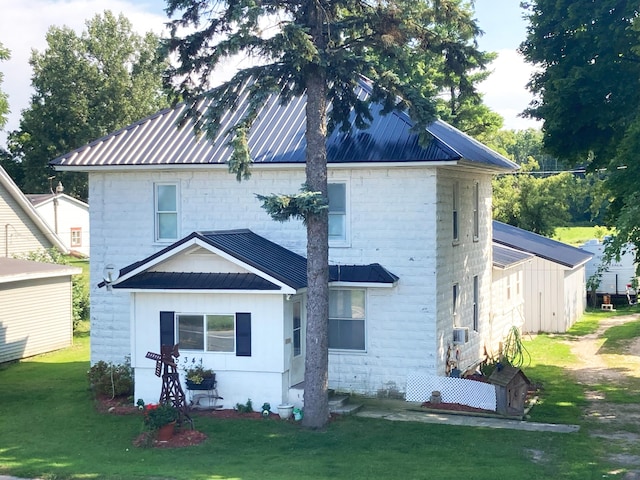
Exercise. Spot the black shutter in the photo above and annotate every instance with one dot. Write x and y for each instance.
(243, 334)
(167, 328)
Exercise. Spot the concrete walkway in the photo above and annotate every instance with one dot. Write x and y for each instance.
(402, 411)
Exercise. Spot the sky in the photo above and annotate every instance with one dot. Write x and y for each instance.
(23, 26)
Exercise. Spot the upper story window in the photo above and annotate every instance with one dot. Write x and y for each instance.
(347, 319)
(476, 211)
(166, 212)
(338, 222)
(456, 207)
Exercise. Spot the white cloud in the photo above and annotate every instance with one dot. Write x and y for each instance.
(23, 27)
(505, 89)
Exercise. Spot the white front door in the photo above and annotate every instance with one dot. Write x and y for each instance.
(296, 368)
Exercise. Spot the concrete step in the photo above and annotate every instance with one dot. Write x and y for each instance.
(340, 405)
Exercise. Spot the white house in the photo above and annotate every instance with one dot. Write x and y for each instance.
(68, 217)
(553, 281)
(22, 230)
(189, 256)
(618, 274)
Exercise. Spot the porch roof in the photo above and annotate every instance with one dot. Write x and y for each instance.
(249, 249)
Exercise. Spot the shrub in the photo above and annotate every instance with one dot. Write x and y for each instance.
(112, 380)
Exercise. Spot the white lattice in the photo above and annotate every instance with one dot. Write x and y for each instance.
(453, 390)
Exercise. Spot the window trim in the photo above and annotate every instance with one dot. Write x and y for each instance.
(345, 241)
(455, 213)
(455, 300)
(204, 325)
(157, 212)
(476, 301)
(78, 242)
(476, 211)
(364, 320)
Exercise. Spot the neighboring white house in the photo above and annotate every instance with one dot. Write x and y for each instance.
(68, 217)
(36, 308)
(618, 274)
(188, 255)
(22, 230)
(554, 281)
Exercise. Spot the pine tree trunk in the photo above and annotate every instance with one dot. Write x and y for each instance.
(316, 402)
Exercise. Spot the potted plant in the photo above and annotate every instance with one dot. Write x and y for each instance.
(160, 419)
(197, 376)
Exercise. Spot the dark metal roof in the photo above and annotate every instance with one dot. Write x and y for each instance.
(539, 246)
(251, 249)
(196, 281)
(278, 136)
(505, 257)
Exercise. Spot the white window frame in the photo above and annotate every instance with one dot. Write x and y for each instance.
(204, 316)
(345, 239)
(476, 211)
(455, 300)
(363, 320)
(76, 237)
(455, 213)
(157, 212)
(297, 328)
(476, 303)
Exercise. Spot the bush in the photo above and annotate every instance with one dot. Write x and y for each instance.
(112, 380)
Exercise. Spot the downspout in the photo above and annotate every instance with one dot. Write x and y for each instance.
(55, 215)
(6, 240)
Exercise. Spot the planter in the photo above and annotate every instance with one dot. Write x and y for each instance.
(165, 433)
(285, 411)
(208, 383)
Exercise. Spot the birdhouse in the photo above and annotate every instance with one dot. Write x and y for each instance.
(511, 390)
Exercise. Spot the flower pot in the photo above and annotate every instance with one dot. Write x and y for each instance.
(208, 383)
(165, 433)
(285, 411)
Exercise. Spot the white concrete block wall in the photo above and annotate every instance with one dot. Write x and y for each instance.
(400, 218)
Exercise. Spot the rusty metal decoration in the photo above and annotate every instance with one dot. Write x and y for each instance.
(171, 392)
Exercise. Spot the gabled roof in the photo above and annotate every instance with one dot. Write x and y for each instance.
(505, 257)
(9, 185)
(271, 266)
(539, 246)
(278, 137)
(38, 199)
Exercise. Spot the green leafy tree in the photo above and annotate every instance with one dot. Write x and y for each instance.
(5, 54)
(588, 96)
(85, 87)
(318, 48)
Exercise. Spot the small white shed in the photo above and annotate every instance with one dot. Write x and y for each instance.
(554, 281)
(36, 308)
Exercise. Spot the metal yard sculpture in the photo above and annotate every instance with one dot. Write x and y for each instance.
(167, 368)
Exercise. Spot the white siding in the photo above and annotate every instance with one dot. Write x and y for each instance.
(35, 317)
(18, 234)
(508, 308)
(64, 216)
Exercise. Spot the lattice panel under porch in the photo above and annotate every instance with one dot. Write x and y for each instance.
(453, 390)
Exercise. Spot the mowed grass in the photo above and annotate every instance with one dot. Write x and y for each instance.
(578, 235)
(50, 429)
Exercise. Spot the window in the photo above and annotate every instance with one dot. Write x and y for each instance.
(456, 206)
(476, 211)
(346, 319)
(166, 206)
(337, 213)
(209, 333)
(455, 297)
(76, 237)
(476, 299)
(297, 329)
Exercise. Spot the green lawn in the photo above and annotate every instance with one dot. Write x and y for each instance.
(50, 429)
(578, 235)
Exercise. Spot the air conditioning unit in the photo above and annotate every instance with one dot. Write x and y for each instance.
(460, 335)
